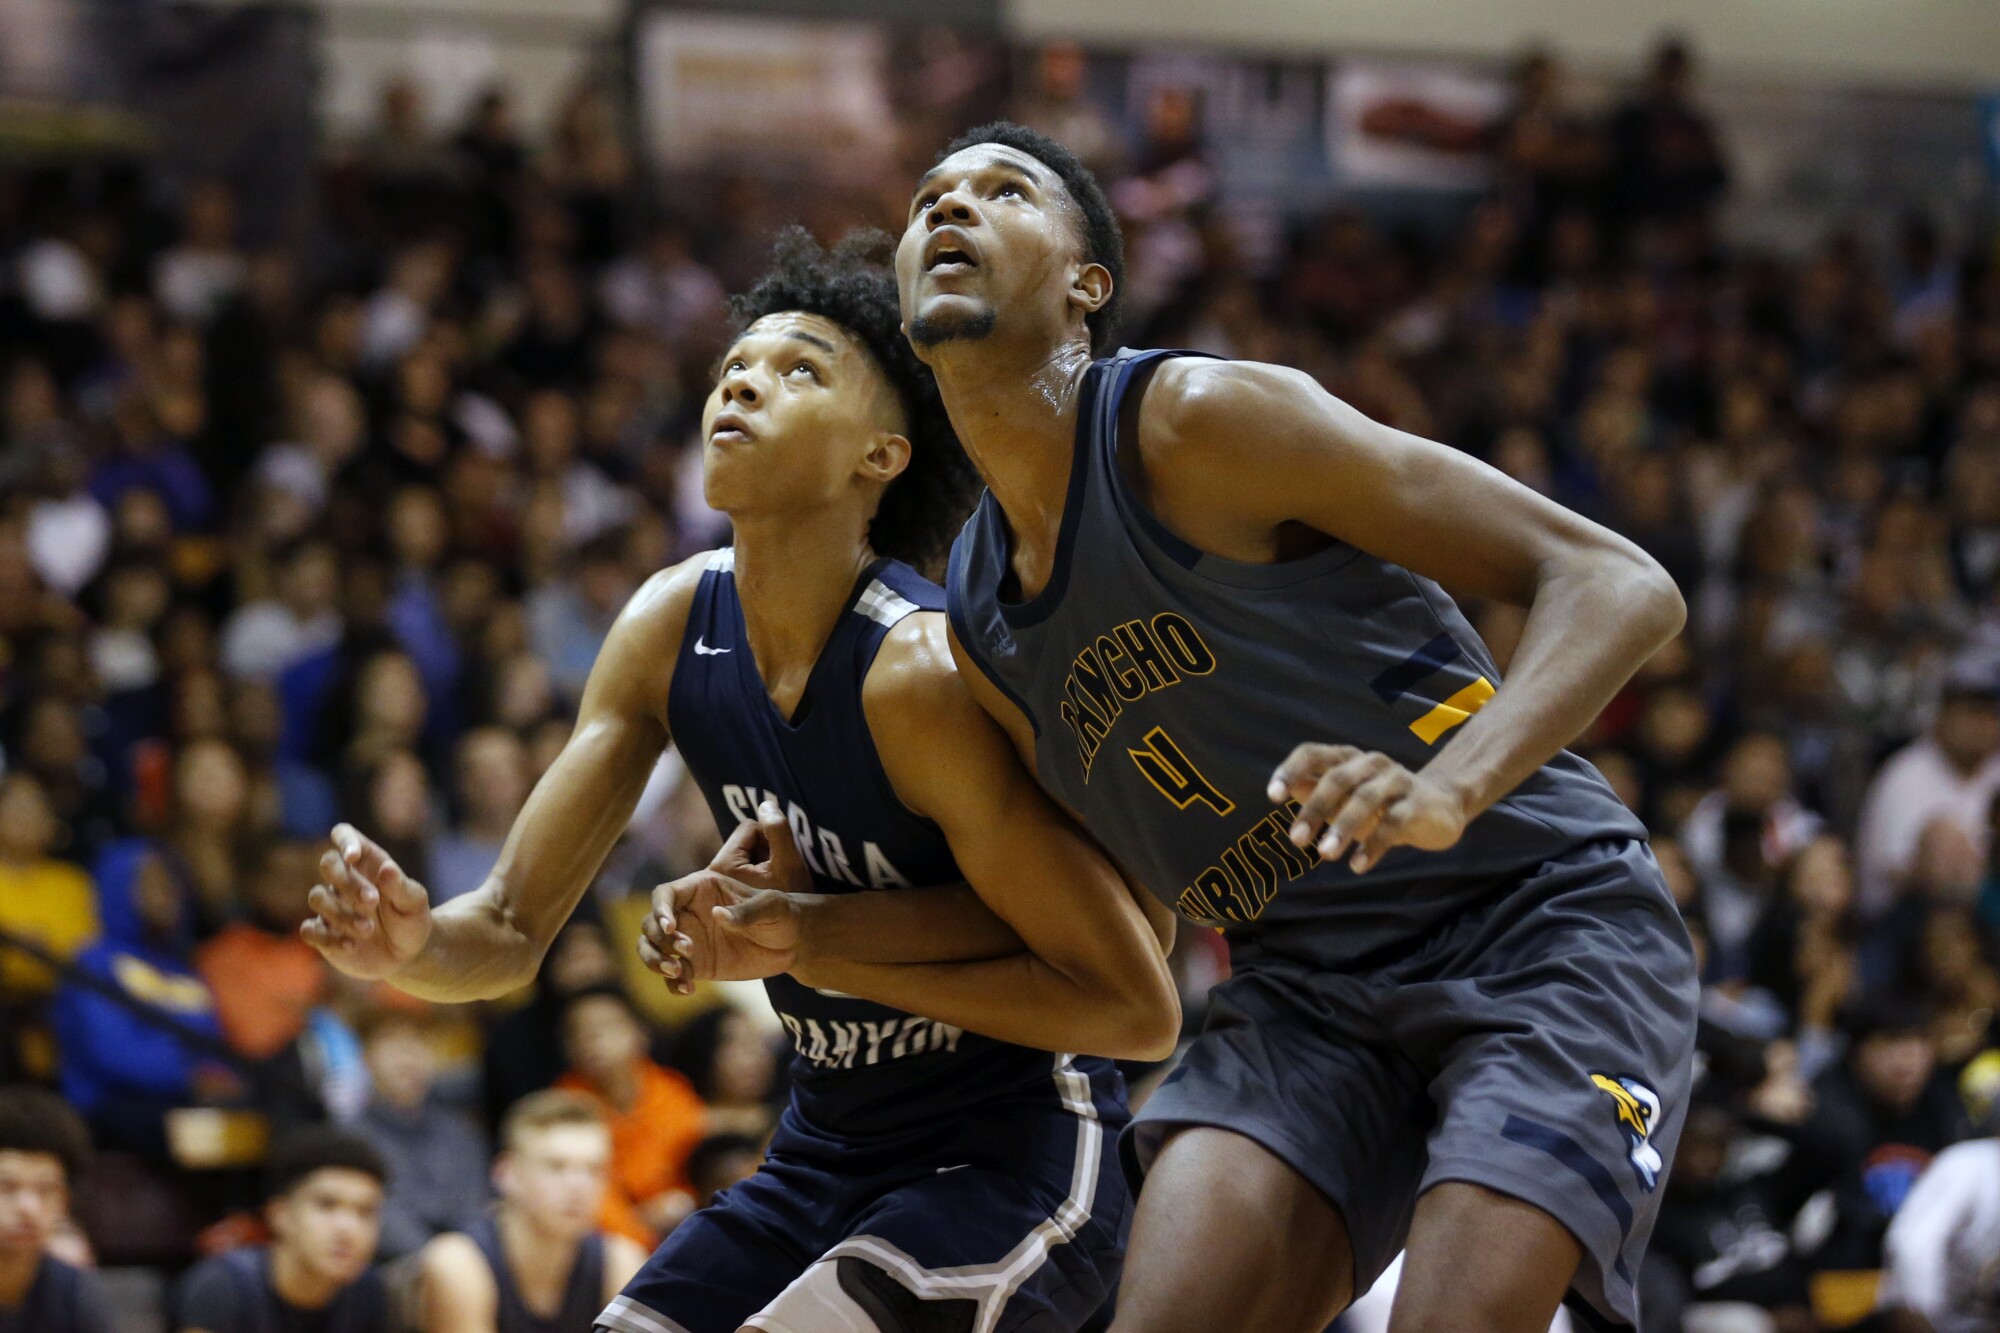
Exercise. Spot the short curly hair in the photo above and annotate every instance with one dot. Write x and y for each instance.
(854, 286)
(35, 1120)
(1103, 242)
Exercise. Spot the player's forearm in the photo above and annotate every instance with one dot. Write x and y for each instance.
(1591, 625)
(932, 925)
(1020, 999)
(476, 951)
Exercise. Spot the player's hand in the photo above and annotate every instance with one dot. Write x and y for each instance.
(370, 919)
(709, 927)
(762, 854)
(1363, 802)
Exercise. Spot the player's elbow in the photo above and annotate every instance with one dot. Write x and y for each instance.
(1148, 1025)
(1655, 600)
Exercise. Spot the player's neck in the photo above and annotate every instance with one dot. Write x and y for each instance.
(1015, 413)
(17, 1274)
(793, 577)
(541, 1258)
(297, 1285)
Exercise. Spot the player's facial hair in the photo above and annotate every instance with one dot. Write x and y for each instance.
(930, 330)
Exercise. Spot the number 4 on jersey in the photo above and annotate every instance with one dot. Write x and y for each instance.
(1175, 776)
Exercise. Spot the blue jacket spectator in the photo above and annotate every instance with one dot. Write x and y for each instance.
(120, 1070)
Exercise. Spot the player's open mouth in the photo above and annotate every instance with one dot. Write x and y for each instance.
(729, 429)
(947, 252)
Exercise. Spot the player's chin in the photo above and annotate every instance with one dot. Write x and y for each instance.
(951, 317)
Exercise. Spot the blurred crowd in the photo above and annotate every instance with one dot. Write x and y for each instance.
(333, 528)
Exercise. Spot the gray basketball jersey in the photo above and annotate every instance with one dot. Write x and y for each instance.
(1165, 685)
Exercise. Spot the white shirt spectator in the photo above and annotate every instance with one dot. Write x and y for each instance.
(261, 639)
(193, 285)
(1732, 909)
(1943, 1250)
(1916, 785)
(68, 540)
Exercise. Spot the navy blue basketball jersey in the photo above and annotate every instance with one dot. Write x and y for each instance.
(1166, 684)
(858, 1067)
(583, 1294)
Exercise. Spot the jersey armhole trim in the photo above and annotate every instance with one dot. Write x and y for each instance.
(956, 616)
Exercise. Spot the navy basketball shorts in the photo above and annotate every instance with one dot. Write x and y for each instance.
(1013, 1218)
(1541, 1046)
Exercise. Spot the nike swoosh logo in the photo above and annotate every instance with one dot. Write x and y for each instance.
(703, 650)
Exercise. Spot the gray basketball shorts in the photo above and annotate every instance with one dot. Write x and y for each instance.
(1542, 1046)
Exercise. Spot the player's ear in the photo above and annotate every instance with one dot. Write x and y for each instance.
(502, 1174)
(888, 454)
(1090, 289)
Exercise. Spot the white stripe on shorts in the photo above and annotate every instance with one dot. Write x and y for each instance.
(992, 1285)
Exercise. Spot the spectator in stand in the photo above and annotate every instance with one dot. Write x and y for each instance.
(1878, 1120)
(1943, 1252)
(656, 1118)
(43, 1149)
(734, 1069)
(50, 904)
(722, 1160)
(492, 786)
(538, 1262)
(265, 638)
(436, 1156)
(569, 617)
(1803, 954)
(1667, 163)
(265, 979)
(323, 1205)
(120, 1070)
(211, 814)
(204, 272)
(1725, 1235)
(524, 1050)
(1755, 804)
(1953, 771)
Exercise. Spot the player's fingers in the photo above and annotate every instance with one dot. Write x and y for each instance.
(1363, 811)
(786, 869)
(350, 884)
(739, 850)
(1330, 793)
(362, 852)
(323, 937)
(338, 914)
(1388, 832)
(402, 894)
(674, 970)
(1303, 767)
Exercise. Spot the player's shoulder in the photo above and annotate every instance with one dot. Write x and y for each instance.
(650, 627)
(913, 669)
(454, 1266)
(1199, 410)
(623, 1257)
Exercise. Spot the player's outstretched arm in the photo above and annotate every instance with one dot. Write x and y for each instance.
(1256, 449)
(373, 921)
(1091, 977)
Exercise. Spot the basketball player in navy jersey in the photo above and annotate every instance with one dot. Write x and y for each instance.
(939, 1171)
(1206, 600)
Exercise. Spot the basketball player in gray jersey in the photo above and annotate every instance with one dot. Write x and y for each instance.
(1206, 600)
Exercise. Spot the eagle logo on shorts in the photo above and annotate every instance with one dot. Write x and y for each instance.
(1638, 1110)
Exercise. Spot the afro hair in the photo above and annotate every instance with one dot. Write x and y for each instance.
(1103, 243)
(853, 285)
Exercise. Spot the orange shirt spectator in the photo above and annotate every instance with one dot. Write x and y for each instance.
(656, 1118)
(265, 978)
